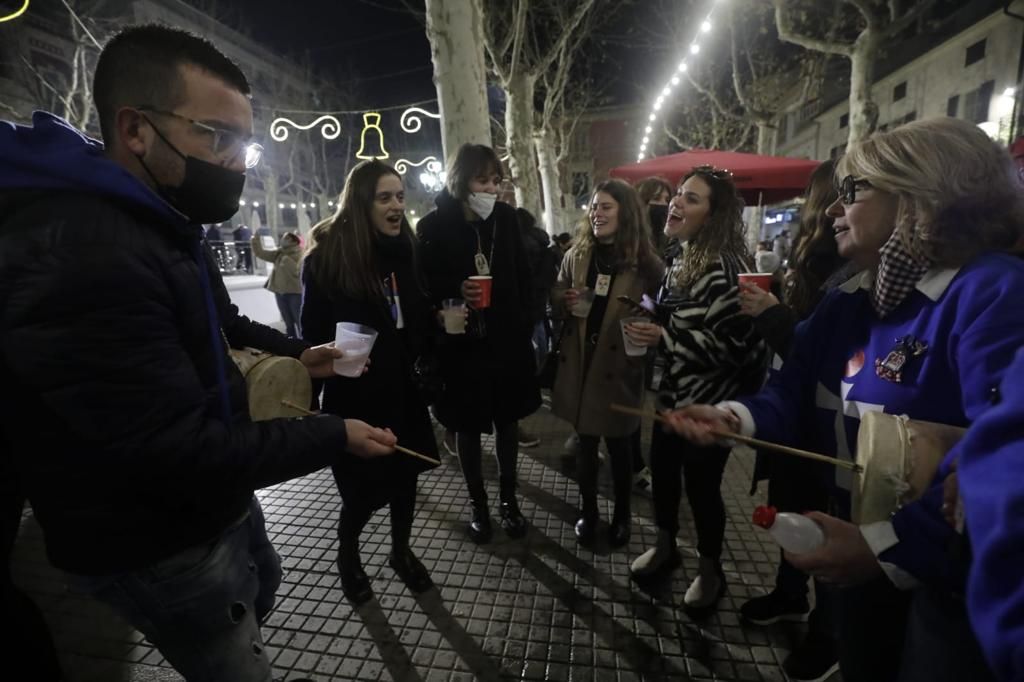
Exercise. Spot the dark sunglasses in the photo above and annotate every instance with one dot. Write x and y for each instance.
(711, 171)
(847, 189)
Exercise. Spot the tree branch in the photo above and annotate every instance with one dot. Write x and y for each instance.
(568, 29)
(787, 32)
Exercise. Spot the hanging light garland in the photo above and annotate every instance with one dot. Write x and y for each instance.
(16, 13)
(666, 92)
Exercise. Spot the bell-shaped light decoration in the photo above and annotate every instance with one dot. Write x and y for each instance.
(371, 142)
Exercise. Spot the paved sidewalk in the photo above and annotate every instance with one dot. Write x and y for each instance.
(541, 608)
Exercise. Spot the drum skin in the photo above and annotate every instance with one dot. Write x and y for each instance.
(269, 379)
(899, 457)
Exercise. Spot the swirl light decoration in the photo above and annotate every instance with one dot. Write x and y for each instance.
(16, 13)
(402, 165)
(411, 122)
(694, 49)
(330, 128)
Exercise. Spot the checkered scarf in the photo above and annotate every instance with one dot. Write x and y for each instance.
(898, 273)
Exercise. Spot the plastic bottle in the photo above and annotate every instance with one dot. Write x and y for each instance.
(795, 533)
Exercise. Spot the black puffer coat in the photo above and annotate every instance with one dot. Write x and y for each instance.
(489, 380)
(115, 388)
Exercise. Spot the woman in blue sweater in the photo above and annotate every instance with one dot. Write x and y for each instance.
(927, 329)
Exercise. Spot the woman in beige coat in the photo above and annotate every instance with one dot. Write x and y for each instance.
(612, 257)
(284, 280)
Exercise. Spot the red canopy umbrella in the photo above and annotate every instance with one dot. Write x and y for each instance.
(766, 178)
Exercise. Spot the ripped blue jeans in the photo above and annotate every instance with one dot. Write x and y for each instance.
(202, 607)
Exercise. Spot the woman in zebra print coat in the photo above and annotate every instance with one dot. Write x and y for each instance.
(712, 353)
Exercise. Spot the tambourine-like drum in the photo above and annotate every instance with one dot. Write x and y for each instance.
(269, 379)
(899, 457)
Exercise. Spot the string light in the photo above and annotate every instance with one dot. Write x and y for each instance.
(17, 13)
(666, 91)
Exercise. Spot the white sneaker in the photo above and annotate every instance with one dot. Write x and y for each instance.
(706, 588)
(663, 555)
(642, 479)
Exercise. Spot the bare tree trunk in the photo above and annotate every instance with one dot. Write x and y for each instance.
(273, 212)
(519, 113)
(455, 30)
(550, 181)
(765, 145)
(863, 109)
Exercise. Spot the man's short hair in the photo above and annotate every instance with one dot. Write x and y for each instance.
(140, 65)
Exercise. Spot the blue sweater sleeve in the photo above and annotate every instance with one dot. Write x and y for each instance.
(991, 472)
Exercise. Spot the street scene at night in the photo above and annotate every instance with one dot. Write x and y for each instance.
(560, 340)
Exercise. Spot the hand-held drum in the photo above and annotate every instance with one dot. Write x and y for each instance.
(899, 457)
(269, 379)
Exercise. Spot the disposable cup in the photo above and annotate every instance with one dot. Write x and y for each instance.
(632, 349)
(485, 282)
(454, 313)
(356, 342)
(583, 303)
(762, 279)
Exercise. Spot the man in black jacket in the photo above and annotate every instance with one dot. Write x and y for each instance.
(127, 420)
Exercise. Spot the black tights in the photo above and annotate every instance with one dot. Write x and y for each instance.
(506, 447)
(620, 451)
(357, 508)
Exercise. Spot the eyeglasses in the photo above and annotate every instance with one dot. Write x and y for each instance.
(847, 189)
(223, 142)
(716, 173)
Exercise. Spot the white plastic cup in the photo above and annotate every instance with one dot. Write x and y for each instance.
(356, 342)
(583, 303)
(632, 349)
(454, 314)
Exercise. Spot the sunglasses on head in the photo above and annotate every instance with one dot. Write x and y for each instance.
(847, 189)
(711, 171)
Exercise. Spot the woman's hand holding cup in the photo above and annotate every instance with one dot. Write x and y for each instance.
(471, 292)
(571, 297)
(643, 333)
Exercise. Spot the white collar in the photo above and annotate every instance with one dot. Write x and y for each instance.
(932, 284)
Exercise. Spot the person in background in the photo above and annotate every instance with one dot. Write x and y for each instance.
(712, 351)
(798, 485)
(612, 256)
(543, 270)
(243, 252)
(489, 373)
(927, 329)
(127, 421)
(362, 267)
(284, 281)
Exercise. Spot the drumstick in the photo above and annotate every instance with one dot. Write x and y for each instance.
(756, 442)
(407, 451)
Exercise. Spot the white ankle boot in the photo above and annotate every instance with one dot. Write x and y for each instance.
(707, 587)
(663, 554)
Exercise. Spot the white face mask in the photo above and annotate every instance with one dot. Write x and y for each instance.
(482, 204)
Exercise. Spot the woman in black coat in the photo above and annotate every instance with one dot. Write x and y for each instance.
(489, 373)
(362, 267)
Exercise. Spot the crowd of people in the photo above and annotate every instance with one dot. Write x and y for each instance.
(125, 422)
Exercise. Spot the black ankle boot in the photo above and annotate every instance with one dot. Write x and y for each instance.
(480, 524)
(512, 520)
(586, 524)
(619, 530)
(355, 584)
(410, 569)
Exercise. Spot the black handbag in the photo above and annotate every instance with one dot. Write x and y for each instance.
(426, 375)
(549, 370)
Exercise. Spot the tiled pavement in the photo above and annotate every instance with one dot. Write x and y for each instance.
(541, 608)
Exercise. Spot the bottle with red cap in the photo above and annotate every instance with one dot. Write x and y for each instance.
(795, 533)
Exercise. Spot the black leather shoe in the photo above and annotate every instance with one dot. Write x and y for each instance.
(586, 529)
(480, 525)
(355, 584)
(512, 520)
(411, 570)
(618, 533)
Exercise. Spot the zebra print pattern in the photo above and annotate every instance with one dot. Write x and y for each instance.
(712, 350)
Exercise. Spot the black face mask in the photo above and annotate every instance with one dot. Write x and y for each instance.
(208, 194)
(658, 214)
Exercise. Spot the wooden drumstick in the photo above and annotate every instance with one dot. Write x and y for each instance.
(756, 442)
(407, 451)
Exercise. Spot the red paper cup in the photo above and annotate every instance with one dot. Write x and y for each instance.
(485, 282)
(761, 279)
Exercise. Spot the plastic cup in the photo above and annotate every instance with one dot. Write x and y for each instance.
(485, 282)
(583, 303)
(632, 349)
(356, 342)
(762, 279)
(454, 314)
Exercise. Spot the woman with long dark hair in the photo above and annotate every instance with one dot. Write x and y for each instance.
(489, 372)
(712, 353)
(362, 267)
(612, 257)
